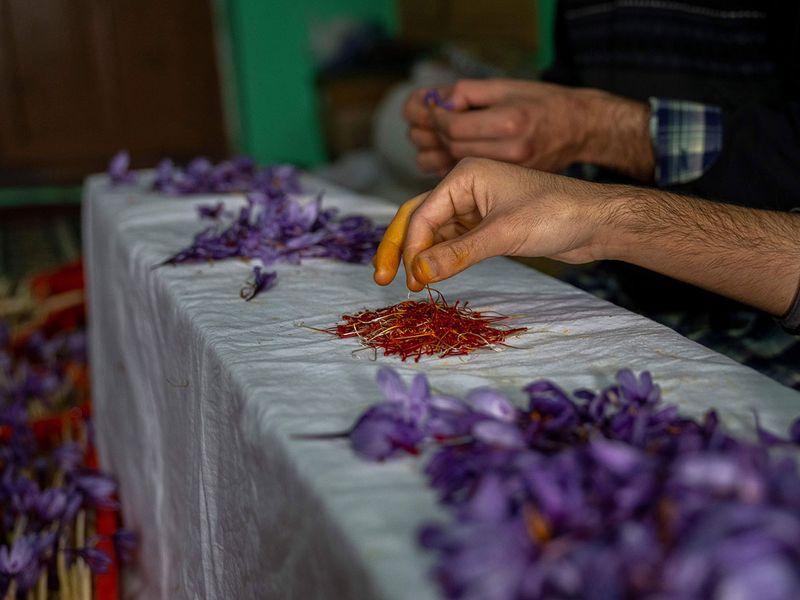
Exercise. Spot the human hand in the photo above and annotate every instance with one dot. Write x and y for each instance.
(537, 125)
(485, 208)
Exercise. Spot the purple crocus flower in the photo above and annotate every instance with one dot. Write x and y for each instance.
(550, 407)
(97, 488)
(492, 403)
(14, 414)
(50, 504)
(68, 456)
(449, 417)
(164, 177)
(382, 433)
(24, 493)
(794, 431)
(74, 503)
(413, 401)
(38, 384)
(118, 168)
(481, 559)
(243, 164)
(199, 168)
(499, 433)
(433, 98)
(397, 425)
(640, 391)
(728, 541)
(96, 558)
(125, 542)
(13, 560)
(490, 500)
(621, 459)
(210, 211)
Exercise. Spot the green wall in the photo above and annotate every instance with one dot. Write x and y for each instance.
(276, 99)
(547, 13)
(278, 117)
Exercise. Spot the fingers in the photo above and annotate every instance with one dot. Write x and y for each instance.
(449, 258)
(496, 133)
(387, 256)
(497, 123)
(517, 151)
(451, 201)
(417, 112)
(424, 138)
(443, 232)
(477, 93)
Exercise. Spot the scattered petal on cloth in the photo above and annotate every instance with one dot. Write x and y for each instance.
(261, 282)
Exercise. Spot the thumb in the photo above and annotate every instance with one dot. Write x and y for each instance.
(448, 258)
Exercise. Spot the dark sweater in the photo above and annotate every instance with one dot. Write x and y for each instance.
(742, 56)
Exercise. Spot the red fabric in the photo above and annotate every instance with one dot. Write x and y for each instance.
(66, 278)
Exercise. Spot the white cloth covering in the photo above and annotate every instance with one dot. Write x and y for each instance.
(197, 393)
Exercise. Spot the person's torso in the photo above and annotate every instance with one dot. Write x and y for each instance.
(724, 53)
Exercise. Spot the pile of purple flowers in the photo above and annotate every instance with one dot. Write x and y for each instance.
(281, 229)
(36, 375)
(272, 227)
(608, 494)
(47, 493)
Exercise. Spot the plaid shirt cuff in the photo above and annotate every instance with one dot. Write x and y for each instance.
(687, 139)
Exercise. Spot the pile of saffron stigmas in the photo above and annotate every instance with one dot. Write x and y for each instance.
(273, 226)
(596, 494)
(58, 511)
(432, 327)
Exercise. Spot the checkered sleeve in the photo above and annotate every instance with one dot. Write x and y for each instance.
(687, 139)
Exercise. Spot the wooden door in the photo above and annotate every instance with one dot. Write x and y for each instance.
(81, 79)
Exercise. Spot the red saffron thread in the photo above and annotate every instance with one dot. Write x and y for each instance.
(414, 328)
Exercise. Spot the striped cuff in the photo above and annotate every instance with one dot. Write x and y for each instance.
(687, 139)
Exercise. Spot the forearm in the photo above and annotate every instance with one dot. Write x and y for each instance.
(750, 255)
(617, 134)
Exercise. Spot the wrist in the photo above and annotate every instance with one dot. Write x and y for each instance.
(599, 218)
(616, 133)
(616, 226)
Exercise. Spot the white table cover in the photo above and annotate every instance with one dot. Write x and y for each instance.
(197, 393)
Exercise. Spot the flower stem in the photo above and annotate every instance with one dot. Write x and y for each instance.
(63, 576)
